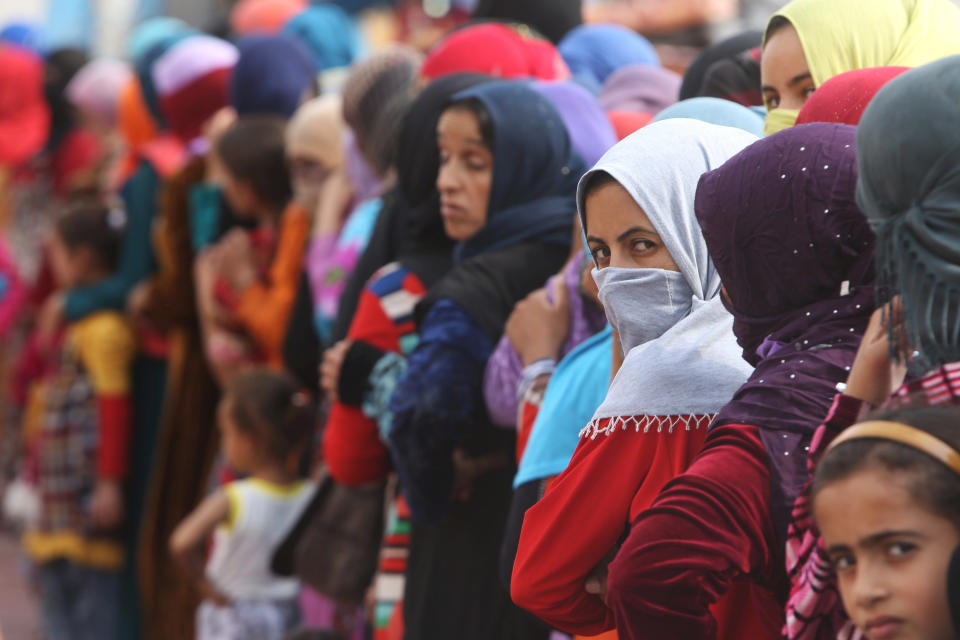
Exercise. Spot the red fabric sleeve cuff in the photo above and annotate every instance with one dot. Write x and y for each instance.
(113, 454)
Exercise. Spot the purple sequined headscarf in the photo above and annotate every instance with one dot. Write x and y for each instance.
(795, 255)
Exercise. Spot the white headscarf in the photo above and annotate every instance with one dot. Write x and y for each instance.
(695, 365)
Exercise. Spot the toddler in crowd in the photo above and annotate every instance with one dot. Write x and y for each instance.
(83, 444)
(886, 496)
(265, 422)
(252, 169)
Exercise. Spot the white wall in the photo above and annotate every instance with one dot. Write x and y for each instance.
(22, 9)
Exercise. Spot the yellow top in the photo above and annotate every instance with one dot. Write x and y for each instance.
(106, 345)
(842, 35)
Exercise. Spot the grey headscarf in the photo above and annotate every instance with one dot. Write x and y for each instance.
(908, 150)
(694, 366)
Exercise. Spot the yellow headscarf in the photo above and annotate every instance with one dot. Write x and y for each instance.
(842, 35)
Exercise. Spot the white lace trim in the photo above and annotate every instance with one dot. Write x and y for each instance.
(645, 423)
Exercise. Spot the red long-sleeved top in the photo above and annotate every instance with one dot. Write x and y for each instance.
(708, 530)
(610, 479)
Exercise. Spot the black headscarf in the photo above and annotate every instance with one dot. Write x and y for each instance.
(61, 66)
(410, 228)
(909, 187)
(552, 18)
(729, 69)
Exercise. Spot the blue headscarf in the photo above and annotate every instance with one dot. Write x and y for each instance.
(28, 35)
(271, 75)
(576, 389)
(329, 33)
(591, 133)
(594, 51)
(152, 32)
(535, 170)
(716, 111)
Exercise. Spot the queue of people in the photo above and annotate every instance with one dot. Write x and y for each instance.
(520, 335)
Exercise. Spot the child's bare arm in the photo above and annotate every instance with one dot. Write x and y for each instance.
(189, 539)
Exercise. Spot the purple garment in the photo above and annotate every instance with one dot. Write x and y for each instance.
(591, 132)
(505, 367)
(795, 255)
(366, 184)
(640, 87)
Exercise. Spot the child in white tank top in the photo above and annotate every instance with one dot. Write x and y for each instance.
(265, 423)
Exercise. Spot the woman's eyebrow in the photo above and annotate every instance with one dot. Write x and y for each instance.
(799, 78)
(632, 230)
(882, 536)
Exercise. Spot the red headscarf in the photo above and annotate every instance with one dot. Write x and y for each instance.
(263, 16)
(626, 122)
(24, 115)
(498, 50)
(843, 98)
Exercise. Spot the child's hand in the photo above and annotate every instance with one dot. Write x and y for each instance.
(106, 505)
(211, 593)
(236, 261)
(330, 368)
(49, 320)
(137, 301)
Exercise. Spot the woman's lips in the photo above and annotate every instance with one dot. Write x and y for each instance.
(448, 210)
(883, 628)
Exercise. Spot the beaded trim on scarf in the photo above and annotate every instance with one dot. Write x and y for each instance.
(645, 423)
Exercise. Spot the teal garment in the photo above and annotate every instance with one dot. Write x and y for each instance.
(149, 387)
(329, 33)
(152, 32)
(576, 389)
(137, 260)
(205, 201)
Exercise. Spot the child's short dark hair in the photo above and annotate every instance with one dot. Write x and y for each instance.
(253, 151)
(92, 225)
(272, 406)
(933, 484)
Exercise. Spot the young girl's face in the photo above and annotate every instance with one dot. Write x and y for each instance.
(784, 72)
(890, 554)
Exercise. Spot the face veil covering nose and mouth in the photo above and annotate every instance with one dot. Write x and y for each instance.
(778, 120)
(642, 304)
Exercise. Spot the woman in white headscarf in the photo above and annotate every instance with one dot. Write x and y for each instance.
(661, 293)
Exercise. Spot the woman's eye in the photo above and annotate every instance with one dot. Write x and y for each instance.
(808, 92)
(842, 563)
(642, 245)
(900, 549)
(773, 102)
(599, 254)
